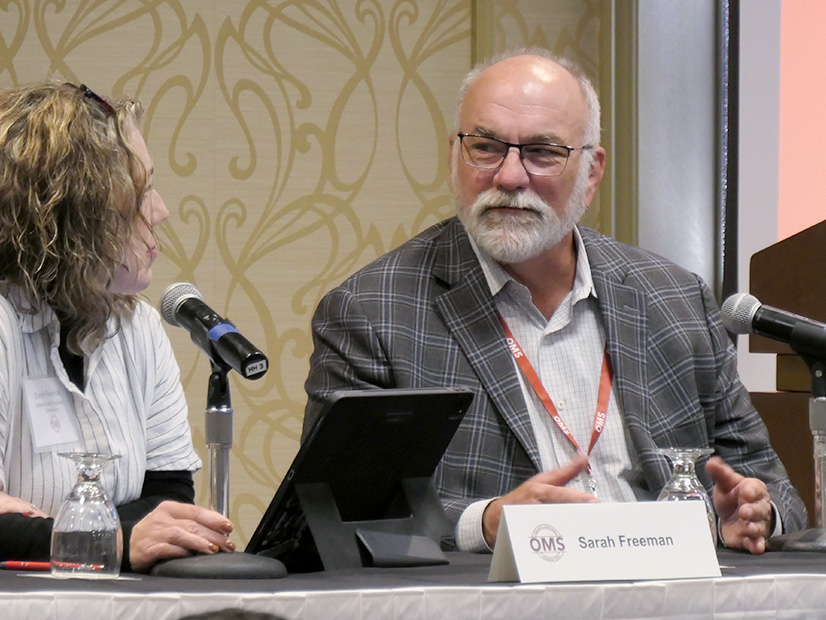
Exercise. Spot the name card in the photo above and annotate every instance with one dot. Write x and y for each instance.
(51, 415)
(602, 542)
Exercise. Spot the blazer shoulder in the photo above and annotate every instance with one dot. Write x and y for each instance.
(622, 262)
(443, 250)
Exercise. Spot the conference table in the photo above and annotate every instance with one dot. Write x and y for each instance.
(774, 585)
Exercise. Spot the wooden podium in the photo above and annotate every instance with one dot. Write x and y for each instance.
(789, 275)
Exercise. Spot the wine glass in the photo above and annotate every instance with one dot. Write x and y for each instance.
(87, 540)
(684, 484)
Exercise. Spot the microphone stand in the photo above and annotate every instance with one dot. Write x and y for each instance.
(238, 565)
(218, 438)
(808, 342)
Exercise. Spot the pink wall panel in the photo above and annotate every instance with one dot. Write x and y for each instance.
(802, 174)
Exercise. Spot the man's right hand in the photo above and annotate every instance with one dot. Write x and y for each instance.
(545, 488)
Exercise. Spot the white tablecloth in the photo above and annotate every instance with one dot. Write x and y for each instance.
(353, 597)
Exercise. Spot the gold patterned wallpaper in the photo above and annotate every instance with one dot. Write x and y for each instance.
(293, 142)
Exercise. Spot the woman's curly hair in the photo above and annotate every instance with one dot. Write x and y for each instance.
(70, 193)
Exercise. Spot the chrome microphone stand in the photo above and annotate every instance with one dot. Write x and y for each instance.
(218, 438)
(237, 565)
(812, 539)
(182, 305)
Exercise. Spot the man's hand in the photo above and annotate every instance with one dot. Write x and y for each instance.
(175, 530)
(545, 488)
(743, 506)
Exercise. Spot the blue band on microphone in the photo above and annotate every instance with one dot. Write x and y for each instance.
(221, 329)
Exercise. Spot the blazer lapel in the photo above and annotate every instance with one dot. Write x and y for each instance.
(624, 316)
(469, 313)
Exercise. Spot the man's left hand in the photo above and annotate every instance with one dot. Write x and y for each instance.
(743, 506)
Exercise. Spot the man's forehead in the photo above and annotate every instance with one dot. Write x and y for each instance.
(527, 68)
(534, 92)
(526, 78)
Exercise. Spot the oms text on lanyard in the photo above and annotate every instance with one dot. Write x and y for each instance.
(601, 413)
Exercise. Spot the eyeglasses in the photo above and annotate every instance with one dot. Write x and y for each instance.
(90, 94)
(540, 159)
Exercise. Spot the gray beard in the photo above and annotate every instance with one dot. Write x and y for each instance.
(513, 237)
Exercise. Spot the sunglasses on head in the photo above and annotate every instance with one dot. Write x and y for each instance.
(90, 94)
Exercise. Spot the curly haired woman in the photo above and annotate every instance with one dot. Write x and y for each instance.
(77, 244)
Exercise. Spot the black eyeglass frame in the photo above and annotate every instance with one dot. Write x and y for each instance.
(519, 147)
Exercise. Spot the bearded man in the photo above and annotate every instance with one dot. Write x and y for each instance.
(618, 351)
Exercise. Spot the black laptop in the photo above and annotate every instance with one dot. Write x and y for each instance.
(359, 491)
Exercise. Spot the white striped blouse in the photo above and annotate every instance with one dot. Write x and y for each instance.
(133, 405)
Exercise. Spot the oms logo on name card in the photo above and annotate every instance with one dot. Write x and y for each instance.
(599, 542)
(547, 543)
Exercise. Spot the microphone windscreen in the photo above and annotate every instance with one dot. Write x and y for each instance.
(738, 312)
(172, 297)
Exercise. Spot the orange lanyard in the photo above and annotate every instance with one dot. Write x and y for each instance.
(605, 380)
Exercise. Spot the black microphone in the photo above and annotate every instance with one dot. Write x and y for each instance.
(744, 314)
(182, 305)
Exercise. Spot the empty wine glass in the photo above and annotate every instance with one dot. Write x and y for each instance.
(86, 537)
(684, 484)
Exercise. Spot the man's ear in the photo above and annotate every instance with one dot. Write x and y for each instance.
(596, 174)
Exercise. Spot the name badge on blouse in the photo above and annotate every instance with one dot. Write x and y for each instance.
(50, 414)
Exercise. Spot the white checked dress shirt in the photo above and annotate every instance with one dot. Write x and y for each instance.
(567, 353)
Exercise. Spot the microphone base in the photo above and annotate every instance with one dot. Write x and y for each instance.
(238, 565)
(813, 539)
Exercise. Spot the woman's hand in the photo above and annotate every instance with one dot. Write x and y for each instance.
(10, 504)
(175, 530)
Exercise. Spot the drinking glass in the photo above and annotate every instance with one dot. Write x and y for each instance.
(86, 537)
(684, 484)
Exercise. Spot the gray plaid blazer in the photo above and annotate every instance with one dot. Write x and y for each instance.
(423, 316)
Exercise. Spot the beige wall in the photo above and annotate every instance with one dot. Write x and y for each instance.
(293, 142)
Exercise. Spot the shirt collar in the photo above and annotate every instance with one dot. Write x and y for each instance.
(31, 319)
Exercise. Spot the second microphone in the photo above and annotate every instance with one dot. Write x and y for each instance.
(744, 314)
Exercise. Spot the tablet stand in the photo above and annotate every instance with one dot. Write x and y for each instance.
(391, 542)
(813, 539)
(237, 565)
